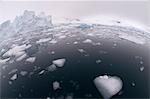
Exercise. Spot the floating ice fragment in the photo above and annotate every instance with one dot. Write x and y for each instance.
(21, 57)
(10, 82)
(3, 61)
(30, 59)
(14, 77)
(56, 85)
(23, 73)
(41, 72)
(51, 67)
(133, 84)
(43, 40)
(87, 41)
(53, 52)
(59, 62)
(61, 37)
(13, 71)
(98, 61)
(134, 39)
(81, 50)
(48, 98)
(141, 68)
(108, 85)
(75, 42)
(16, 50)
(53, 42)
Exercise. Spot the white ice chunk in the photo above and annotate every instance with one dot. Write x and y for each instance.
(41, 72)
(56, 85)
(21, 57)
(98, 61)
(81, 50)
(14, 77)
(108, 85)
(13, 71)
(87, 41)
(137, 40)
(3, 61)
(31, 59)
(23, 73)
(62, 36)
(75, 42)
(59, 62)
(16, 50)
(141, 68)
(53, 42)
(43, 40)
(51, 67)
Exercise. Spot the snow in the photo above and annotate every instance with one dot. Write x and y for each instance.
(133, 39)
(43, 40)
(87, 41)
(14, 77)
(3, 61)
(108, 85)
(56, 85)
(59, 62)
(31, 59)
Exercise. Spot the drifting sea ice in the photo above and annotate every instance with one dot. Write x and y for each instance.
(14, 77)
(59, 62)
(87, 41)
(23, 73)
(31, 59)
(108, 85)
(56, 85)
(43, 40)
(3, 61)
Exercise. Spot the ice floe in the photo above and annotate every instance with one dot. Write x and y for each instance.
(135, 39)
(142, 68)
(4, 61)
(21, 57)
(81, 50)
(108, 85)
(17, 50)
(59, 62)
(14, 77)
(43, 40)
(56, 85)
(23, 73)
(51, 67)
(98, 61)
(75, 42)
(41, 72)
(13, 71)
(87, 41)
(31, 59)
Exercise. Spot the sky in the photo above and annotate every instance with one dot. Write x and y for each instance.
(134, 10)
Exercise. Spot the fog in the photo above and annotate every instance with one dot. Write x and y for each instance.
(135, 10)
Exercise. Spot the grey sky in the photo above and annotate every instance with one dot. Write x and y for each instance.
(134, 10)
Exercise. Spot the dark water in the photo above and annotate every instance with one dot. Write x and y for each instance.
(76, 77)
